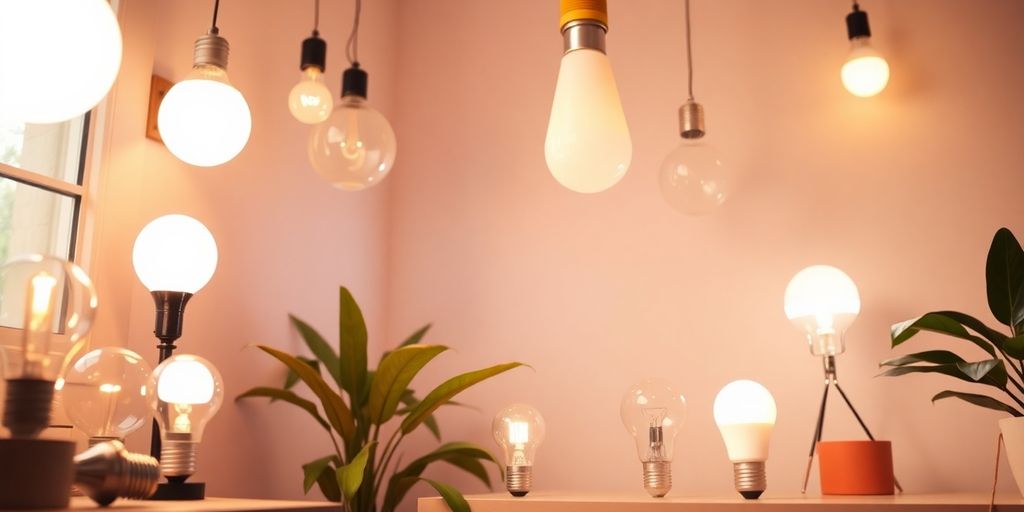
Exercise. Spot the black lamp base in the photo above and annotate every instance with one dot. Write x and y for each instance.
(183, 491)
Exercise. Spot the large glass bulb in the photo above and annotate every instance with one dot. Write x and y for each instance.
(58, 58)
(104, 393)
(693, 179)
(822, 301)
(519, 430)
(187, 392)
(203, 120)
(653, 413)
(175, 253)
(745, 414)
(310, 100)
(865, 72)
(588, 148)
(355, 148)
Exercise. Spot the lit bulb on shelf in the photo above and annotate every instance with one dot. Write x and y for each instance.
(822, 301)
(588, 147)
(653, 413)
(745, 414)
(310, 100)
(104, 393)
(519, 430)
(865, 72)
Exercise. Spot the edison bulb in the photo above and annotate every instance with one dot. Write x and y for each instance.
(187, 391)
(653, 413)
(693, 179)
(355, 148)
(865, 73)
(44, 44)
(175, 253)
(519, 430)
(310, 100)
(203, 120)
(745, 414)
(822, 301)
(104, 393)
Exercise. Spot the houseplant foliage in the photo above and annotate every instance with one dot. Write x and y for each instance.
(1002, 369)
(357, 405)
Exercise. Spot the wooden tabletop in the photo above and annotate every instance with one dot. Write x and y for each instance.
(207, 505)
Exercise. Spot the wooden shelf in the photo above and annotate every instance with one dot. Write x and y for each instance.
(207, 505)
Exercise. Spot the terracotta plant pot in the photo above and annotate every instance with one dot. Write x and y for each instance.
(1013, 438)
(856, 467)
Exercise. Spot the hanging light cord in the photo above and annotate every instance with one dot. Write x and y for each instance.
(352, 48)
(689, 53)
(213, 27)
(316, 18)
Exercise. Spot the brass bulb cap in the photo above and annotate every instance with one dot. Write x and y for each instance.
(575, 10)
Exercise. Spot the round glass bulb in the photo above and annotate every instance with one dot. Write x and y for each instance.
(823, 302)
(58, 58)
(865, 72)
(188, 393)
(203, 120)
(744, 401)
(310, 100)
(175, 253)
(355, 148)
(519, 430)
(104, 392)
(653, 413)
(693, 179)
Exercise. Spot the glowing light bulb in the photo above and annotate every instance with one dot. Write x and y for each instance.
(519, 430)
(745, 414)
(310, 100)
(823, 302)
(104, 393)
(79, 39)
(653, 413)
(175, 253)
(865, 72)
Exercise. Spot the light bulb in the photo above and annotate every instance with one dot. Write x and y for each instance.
(587, 148)
(519, 430)
(186, 392)
(104, 393)
(745, 415)
(865, 72)
(203, 120)
(822, 301)
(175, 253)
(653, 413)
(310, 100)
(59, 57)
(693, 179)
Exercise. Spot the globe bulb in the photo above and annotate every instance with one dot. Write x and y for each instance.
(865, 72)
(653, 413)
(310, 100)
(519, 430)
(175, 253)
(745, 414)
(187, 391)
(104, 393)
(355, 148)
(693, 179)
(822, 301)
(43, 44)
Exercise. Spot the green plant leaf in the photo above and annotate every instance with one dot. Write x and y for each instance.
(452, 497)
(402, 480)
(352, 347)
(293, 378)
(410, 401)
(338, 414)
(1004, 275)
(319, 346)
(940, 323)
(350, 476)
(447, 390)
(979, 400)
(393, 376)
(1014, 347)
(991, 372)
(287, 396)
(929, 356)
(415, 337)
(328, 484)
(311, 471)
(473, 467)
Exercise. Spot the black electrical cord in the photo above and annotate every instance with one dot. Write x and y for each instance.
(316, 18)
(689, 53)
(352, 48)
(213, 27)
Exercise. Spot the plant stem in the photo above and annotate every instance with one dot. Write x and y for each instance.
(337, 449)
(386, 455)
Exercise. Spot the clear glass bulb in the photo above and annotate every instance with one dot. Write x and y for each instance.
(865, 72)
(203, 120)
(355, 148)
(310, 101)
(653, 413)
(519, 430)
(104, 393)
(588, 148)
(693, 179)
(745, 414)
(175, 253)
(186, 392)
(46, 43)
(822, 301)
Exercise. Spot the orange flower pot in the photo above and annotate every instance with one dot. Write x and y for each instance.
(856, 467)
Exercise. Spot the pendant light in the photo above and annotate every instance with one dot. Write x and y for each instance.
(587, 148)
(310, 100)
(203, 120)
(355, 147)
(865, 72)
(44, 44)
(693, 178)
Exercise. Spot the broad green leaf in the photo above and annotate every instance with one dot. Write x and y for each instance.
(398, 487)
(328, 484)
(473, 467)
(939, 323)
(350, 476)
(1004, 274)
(312, 470)
(352, 346)
(287, 396)
(1014, 347)
(968, 321)
(452, 497)
(319, 346)
(929, 356)
(447, 390)
(338, 414)
(979, 400)
(415, 337)
(400, 482)
(410, 402)
(393, 376)
(991, 372)
(292, 378)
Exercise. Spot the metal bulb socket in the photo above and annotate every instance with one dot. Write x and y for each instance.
(211, 50)
(750, 479)
(107, 471)
(691, 120)
(178, 459)
(27, 407)
(518, 480)
(657, 478)
(584, 34)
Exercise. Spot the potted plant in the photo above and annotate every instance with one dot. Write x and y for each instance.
(1002, 366)
(358, 413)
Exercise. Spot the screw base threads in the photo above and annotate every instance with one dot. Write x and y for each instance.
(178, 459)
(750, 479)
(211, 50)
(27, 407)
(107, 471)
(657, 478)
(518, 480)
(691, 120)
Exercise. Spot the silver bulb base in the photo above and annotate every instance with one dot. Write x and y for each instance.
(657, 478)
(211, 50)
(107, 471)
(518, 480)
(750, 479)
(93, 441)
(583, 34)
(691, 120)
(178, 458)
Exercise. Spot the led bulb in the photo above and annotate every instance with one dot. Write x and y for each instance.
(745, 413)
(822, 301)
(355, 148)
(104, 393)
(653, 413)
(310, 100)
(187, 392)
(175, 253)
(519, 430)
(693, 178)
(865, 72)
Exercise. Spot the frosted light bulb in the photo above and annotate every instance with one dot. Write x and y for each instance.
(186, 392)
(745, 414)
(823, 302)
(653, 413)
(104, 393)
(693, 179)
(310, 100)
(355, 148)
(43, 44)
(519, 430)
(175, 253)
(865, 73)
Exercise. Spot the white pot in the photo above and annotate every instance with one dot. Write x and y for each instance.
(1013, 438)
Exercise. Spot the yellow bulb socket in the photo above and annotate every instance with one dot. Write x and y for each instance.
(576, 10)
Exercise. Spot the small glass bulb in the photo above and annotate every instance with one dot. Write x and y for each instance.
(355, 148)
(822, 301)
(310, 101)
(693, 179)
(104, 393)
(519, 430)
(653, 413)
(865, 73)
(186, 391)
